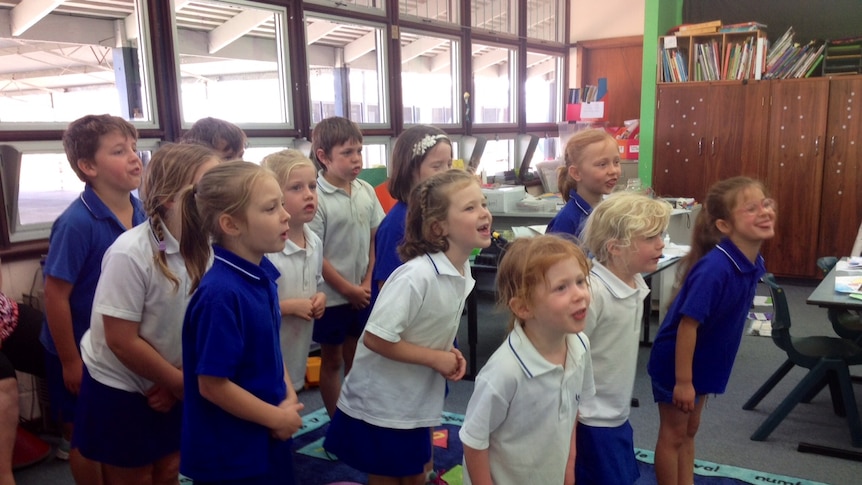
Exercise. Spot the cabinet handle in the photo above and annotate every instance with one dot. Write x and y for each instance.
(700, 146)
(817, 146)
(713, 145)
(832, 143)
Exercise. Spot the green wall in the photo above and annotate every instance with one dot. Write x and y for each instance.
(659, 17)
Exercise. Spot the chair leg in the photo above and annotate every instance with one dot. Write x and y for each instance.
(816, 390)
(837, 393)
(853, 422)
(772, 421)
(767, 386)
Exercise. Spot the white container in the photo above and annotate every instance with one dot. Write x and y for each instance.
(505, 198)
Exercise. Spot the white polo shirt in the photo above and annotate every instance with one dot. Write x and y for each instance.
(523, 410)
(420, 303)
(614, 321)
(300, 270)
(132, 287)
(344, 222)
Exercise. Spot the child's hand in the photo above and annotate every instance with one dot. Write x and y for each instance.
(358, 296)
(160, 398)
(462, 366)
(73, 372)
(304, 309)
(683, 397)
(318, 304)
(289, 420)
(446, 363)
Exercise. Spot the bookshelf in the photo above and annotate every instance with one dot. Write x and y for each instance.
(714, 56)
(843, 57)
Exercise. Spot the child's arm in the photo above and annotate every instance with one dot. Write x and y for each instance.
(355, 294)
(686, 338)
(124, 340)
(478, 466)
(318, 304)
(59, 317)
(301, 307)
(283, 420)
(372, 257)
(442, 361)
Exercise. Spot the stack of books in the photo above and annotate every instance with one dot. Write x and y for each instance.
(788, 59)
(843, 56)
(709, 27)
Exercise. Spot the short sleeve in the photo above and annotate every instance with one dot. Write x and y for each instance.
(219, 339)
(486, 411)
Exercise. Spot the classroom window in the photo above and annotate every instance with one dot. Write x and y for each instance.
(61, 64)
(375, 151)
(430, 10)
(369, 6)
(545, 20)
(493, 81)
(498, 156)
(496, 16)
(430, 89)
(544, 87)
(346, 70)
(232, 56)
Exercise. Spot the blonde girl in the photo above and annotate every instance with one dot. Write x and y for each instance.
(129, 415)
(592, 171)
(624, 235)
(394, 394)
(240, 409)
(696, 344)
(300, 262)
(520, 422)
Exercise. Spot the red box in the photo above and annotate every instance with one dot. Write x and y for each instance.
(629, 148)
(596, 111)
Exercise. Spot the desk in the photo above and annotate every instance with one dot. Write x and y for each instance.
(662, 265)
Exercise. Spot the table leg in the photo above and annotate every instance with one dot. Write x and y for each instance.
(472, 333)
(645, 341)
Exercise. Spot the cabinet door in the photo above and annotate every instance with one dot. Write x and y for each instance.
(680, 141)
(797, 128)
(841, 202)
(736, 141)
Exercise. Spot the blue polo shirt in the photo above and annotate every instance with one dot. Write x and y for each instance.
(230, 330)
(572, 216)
(389, 235)
(79, 238)
(718, 293)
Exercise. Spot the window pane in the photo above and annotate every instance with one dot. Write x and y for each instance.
(493, 79)
(498, 157)
(436, 10)
(374, 6)
(346, 75)
(499, 16)
(430, 88)
(375, 152)
(545, 20)
(232, 57)
(544, 87)
(74, 60)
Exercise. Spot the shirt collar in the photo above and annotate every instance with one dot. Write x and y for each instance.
(290, 247)
(99, 210)
(263, 273)
(324, 185)
(615, 285)
(580, 203)
(742, 263)
(531, 361)
(443, 266)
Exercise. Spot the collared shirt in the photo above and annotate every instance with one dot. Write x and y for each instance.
(523, 409)
(572, 216)
(718, 294)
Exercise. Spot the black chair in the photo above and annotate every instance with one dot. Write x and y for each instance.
(845, 323)
(827, 360)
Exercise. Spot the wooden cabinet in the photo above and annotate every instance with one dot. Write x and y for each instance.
(706, 132)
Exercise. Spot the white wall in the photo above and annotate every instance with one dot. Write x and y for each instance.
(606, 19)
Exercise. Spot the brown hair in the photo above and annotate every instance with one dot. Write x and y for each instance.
(407, 155)
(226, 189)
(330, 132)
(574, 156)
(428, 207)
(526, 261)
(283, 162)
(83, 136)
(171, 170)
(210, 131)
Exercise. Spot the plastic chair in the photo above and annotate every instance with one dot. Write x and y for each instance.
(827, 360)
(845, 323)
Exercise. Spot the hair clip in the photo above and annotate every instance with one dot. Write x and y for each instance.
(163, 246)
(425, 143)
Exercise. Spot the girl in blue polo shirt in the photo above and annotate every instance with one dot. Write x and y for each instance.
(394, 393)
(591, 172)
(240, 409)
(696, 345)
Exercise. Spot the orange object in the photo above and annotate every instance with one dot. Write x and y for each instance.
(312, 372)
(29, 449)
(385, 198)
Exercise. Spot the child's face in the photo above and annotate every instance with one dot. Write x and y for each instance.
(560, 306)
(468, 221)
(264, 229)
(116, 164)
(343, 163)
(300, 195)
(753, 218)
(642, 255)
(599, 170)
(437, 159)
(226, 152)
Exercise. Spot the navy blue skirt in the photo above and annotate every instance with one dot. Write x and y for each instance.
(606, 456)
(378, 451)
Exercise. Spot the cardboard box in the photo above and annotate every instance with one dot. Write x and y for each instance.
(629, 148)
(312, 372)
(505, 198)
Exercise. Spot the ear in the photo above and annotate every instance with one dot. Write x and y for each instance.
(613, 247)
(574, 173)
(440, 228)
(229, 225)
(723, 226)
(320, 153)
(520, 308)
(87, 166)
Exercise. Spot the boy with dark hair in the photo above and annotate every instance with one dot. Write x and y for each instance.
(222, 136)
(102, 150)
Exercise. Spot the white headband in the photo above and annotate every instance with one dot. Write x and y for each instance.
(425, 143)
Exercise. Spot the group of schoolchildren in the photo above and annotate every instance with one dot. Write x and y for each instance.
(178, 324)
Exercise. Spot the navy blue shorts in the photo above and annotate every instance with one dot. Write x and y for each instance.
(606, 456)
(381, 451)
(119, 428)
(62, 402)
(661, 393)
(280, 468)
(338, 322)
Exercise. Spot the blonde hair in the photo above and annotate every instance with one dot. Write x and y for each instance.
(525, 264)
(621, 218)
(226, 189)
(283, 162)
(428, 207)
(171, 170)
(574, 155)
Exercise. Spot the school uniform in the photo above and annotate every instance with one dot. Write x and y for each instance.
(572, 216)
(388, 237)
(523, 409)
(133, 288)
(605, 439)
(717, 293)
(300, 270)
(421, 303)
(231, 331)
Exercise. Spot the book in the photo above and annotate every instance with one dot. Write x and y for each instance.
(698, 31)
(742, 27)
(700, 25)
